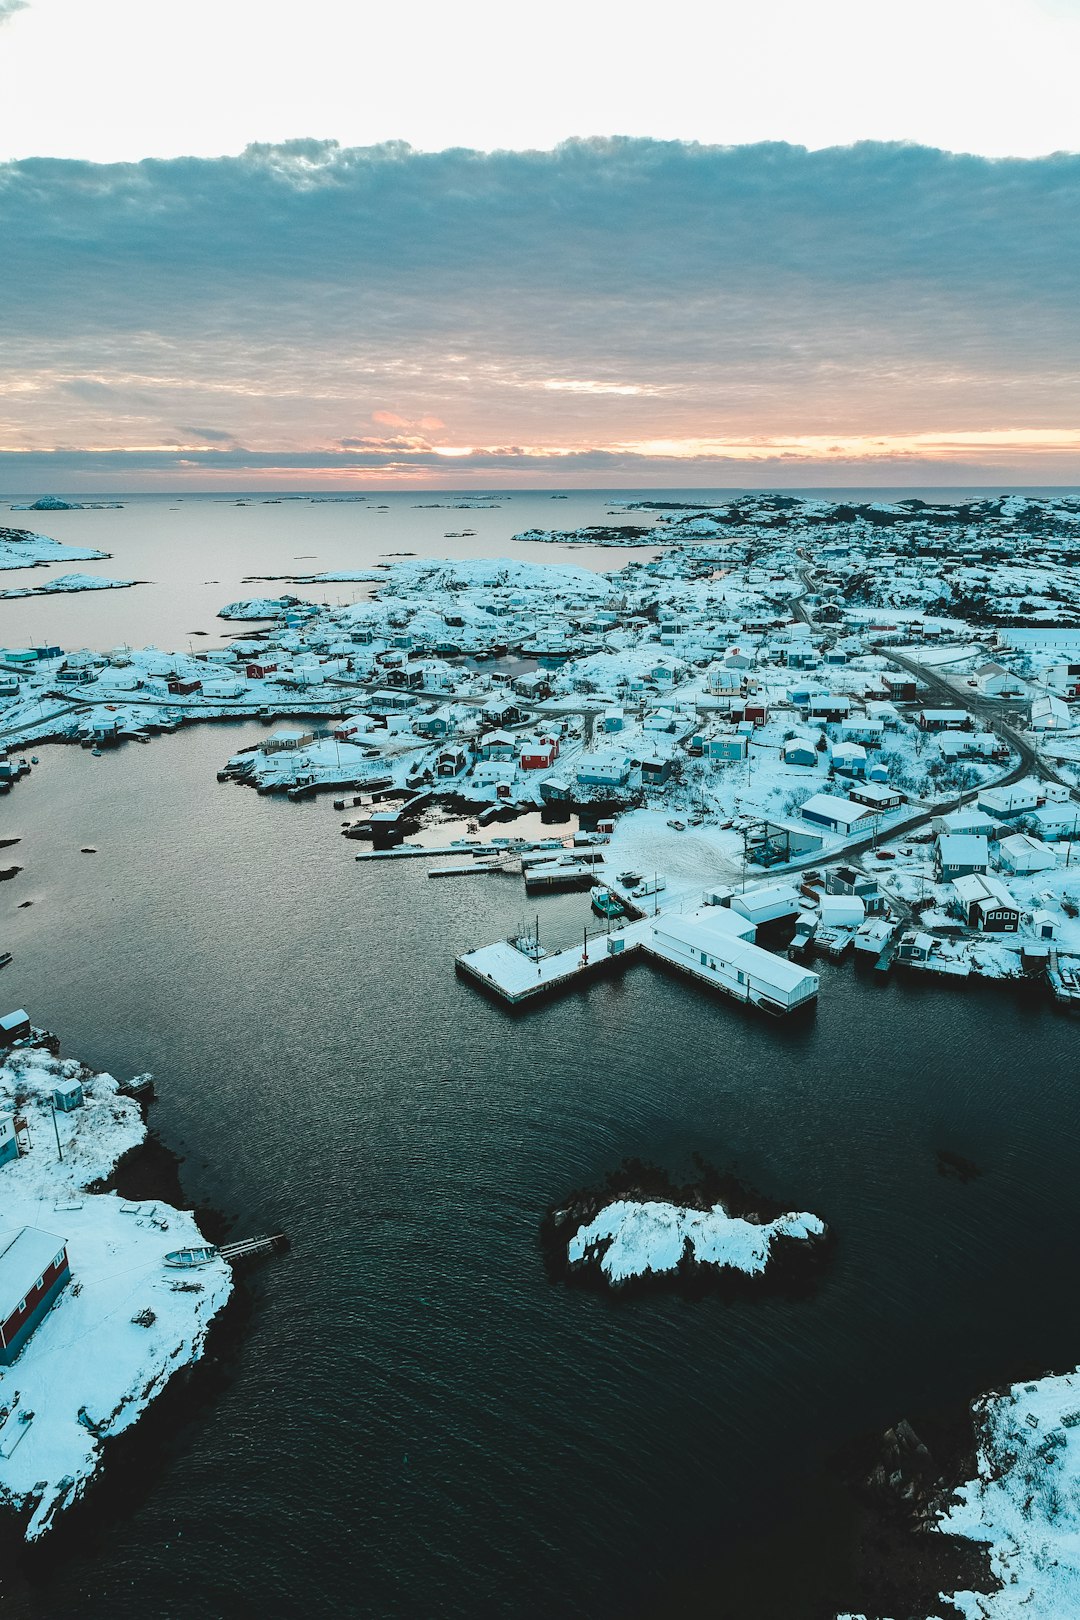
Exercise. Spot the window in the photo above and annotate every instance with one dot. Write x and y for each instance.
(39, 1285)
(21, 1307)
(59, 1259)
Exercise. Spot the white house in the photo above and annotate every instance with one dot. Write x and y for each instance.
(1021, 855)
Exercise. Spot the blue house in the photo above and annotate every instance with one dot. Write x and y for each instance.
(33, 1271)
(728, 747)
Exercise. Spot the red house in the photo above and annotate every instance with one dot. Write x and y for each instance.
(258, 672)
(539, 753)
(33, 1270)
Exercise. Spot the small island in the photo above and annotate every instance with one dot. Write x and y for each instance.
(642, 1231)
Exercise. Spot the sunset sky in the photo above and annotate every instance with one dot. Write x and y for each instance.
(324, 246)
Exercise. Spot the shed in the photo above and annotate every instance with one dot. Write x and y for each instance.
(33, 1270)
(68, 1095)
(14, 1026)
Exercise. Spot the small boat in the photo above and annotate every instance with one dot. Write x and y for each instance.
(606, 904)
(96, 752)
(186, 1259)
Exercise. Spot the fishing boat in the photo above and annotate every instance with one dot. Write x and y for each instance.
(187, 1259)
(606, 904)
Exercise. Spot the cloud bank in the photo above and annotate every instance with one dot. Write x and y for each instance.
(612, 312)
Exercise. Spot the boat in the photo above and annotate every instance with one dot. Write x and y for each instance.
(186, 1259)
(606, 904)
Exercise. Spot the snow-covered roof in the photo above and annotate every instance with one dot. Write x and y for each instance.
(963, 849)
(24, 1256)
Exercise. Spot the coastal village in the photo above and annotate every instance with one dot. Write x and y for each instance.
(854, 728)
(791, 731)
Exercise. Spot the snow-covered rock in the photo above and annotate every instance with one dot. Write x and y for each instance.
(630, 1239)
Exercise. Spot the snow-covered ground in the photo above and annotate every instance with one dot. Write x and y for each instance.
(630, 1239)
(123, 1325)
(21, 549)
(1025, 1502)
(70, 582)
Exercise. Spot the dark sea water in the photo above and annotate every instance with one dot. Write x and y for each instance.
(414, 1421)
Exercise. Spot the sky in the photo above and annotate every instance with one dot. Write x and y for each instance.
(347, 245)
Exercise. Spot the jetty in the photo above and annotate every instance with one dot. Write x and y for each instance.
(710, 945)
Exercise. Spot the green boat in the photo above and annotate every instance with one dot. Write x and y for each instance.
(606, 904)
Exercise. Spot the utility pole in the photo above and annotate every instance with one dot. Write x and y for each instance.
(56, 1129)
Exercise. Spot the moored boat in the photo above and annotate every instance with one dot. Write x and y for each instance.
(197, 1255)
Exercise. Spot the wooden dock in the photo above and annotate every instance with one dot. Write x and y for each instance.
(248, 1248)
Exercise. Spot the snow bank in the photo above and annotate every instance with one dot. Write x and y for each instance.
(630, 1239)
(123, 1325)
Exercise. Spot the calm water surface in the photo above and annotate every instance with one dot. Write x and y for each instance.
(416, 1422)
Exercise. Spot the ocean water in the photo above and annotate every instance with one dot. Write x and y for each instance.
(414, 1421)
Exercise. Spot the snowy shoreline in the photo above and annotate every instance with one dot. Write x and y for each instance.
(124, 1324)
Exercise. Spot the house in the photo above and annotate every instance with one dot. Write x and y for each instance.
(862, 728)
(498, 745)
(655, 768)
(942, 719)
(286, 740)
(828, 706)
(986, 904)
(846, 880)
(728, 748)
(9, 1142)
(539, 753)
(875, 794)
(993, 680)
(799, 752)
(451, 761)
(1054, 822)
(849, 758)
(613, 720)
(901, 688)
(603, 769)
(777, 902)
(1021, 855)
(14, 1026)
(555, 790)
(959, 854)
(33, 1271)
(966, 821)
(839, 815)
(1050, 714)
(915, 947)
(1009, 802)
(732, 964)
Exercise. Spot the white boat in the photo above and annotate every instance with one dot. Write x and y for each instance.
(185, 1259)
